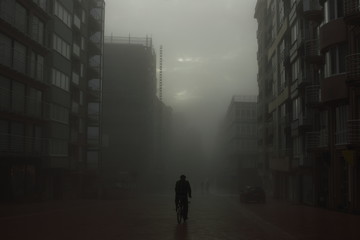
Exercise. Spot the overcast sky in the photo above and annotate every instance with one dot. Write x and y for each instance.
(209, 50)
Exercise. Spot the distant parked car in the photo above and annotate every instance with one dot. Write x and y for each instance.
(253, 194)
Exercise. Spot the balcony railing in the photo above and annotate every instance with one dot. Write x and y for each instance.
(341, 137)
(312, 10)
(77, 22)
(305, 119)
(23, 105)
(21, 63)
(305, 160)
(312, 50)
(75, 78)
(22, 145)
(36, 34)
(353, 67)
(76, 49)
(316, 139)
(312, 94)
(354, 131)
(352, 11)
(75, 107)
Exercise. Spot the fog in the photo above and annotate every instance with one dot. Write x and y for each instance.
(209, 52)
(253, 134)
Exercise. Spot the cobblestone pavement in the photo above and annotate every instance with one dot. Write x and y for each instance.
(153, 217)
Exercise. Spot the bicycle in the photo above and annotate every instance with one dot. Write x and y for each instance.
(180, 210)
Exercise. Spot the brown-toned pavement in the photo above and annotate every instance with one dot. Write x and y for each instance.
(153, 217)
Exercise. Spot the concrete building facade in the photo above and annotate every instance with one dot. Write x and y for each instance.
(131, 114)
(307, 101)
(238, 146)
(51, 59)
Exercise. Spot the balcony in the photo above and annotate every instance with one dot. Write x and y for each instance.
(341, 137)
(93, 142)
(23, 105)
(312, 94)
(305, 120)
(94, 94)
(285, 56)
(11, 144)
(353, 67)
(354, 131)
(312, 51)
(312, 10)
(304, 78)
(302, 122)
(305, 161)
(352, 12)
(93, 119)
(96, 18)
(77, 22)
(75, 107)
(22, 64)
(76, 49)
(317, 139)
(75, 78)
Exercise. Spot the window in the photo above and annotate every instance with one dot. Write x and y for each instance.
(62, 13)
(281, 13)
(36, 66)
(333, 9)
(5, 93)
(81, 70)
(59, 113)
(7, 12)
(83, 16)
(296, 108)
(58, 147)
(4, 135)
(20, 18)
(294, 32)
(61, 46)
(33, 102)
(296, 146)
(5, 50)
(60, 79)
(92, 160)
(295, 70)
(82, 43)
(19, 57)
(37, 30)
(335, 60)
(18, 97)
(341, 124)
(41, 3)
(17, 137)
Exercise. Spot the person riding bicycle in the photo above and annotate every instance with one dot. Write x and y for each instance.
(182, 191)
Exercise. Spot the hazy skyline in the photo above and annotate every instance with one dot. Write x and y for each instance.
(209, 50)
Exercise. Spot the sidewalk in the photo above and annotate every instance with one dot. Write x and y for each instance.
(13, 210)
(307, 221)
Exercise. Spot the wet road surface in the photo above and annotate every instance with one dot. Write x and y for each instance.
(153, 217)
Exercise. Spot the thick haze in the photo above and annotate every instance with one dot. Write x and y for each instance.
(209, 50)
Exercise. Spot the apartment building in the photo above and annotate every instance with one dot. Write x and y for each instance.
(51, 64)
(238, 146)
(308, 119)
(130, 107)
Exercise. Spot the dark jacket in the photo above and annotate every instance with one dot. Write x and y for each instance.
(182, 188)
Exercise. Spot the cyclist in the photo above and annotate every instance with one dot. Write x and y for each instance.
(182, 191)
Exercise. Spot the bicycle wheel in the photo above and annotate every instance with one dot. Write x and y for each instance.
(179, 213)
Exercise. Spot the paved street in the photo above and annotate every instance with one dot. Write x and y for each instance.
(153, 217)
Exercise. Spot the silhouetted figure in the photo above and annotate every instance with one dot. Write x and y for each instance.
(207, 186)
(182, 191)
